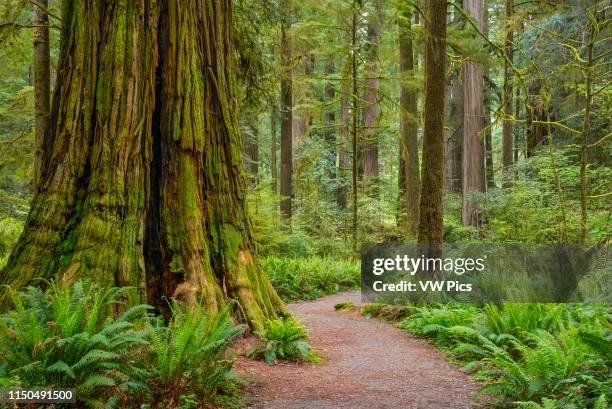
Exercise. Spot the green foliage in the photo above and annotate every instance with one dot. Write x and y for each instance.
(75, 338)
(69, 338)
(387, 312)
(284, 339)
(190, 353)
(305, 279)
(529, 355)
(10, 229)
(344, 306)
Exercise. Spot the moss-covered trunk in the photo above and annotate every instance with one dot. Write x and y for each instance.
(143, 184)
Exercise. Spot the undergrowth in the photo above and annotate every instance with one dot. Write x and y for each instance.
(284, 339)
(307, 279)
(529, 355)
(77, 337)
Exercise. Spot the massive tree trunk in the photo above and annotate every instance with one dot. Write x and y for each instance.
(143, 184)
(286, 175)
(432, 184)
(409, 146)
(507, 149)
(473, 120)
(371, 99)
(42, 83)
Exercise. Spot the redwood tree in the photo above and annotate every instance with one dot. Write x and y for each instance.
(371, 99)
(432, 182)
(409, 146)
(286, 142)
(142, 184)
(42, 81)
(473, 124)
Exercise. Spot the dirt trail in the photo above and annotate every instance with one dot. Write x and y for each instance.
(366, 364)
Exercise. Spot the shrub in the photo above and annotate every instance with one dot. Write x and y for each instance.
(386, 312)
(68, 338)
(190, 353)
(305, 279)
(530, 355)
(286, 339)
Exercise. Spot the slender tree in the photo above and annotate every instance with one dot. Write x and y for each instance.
(343, 149)
(473, 120)
(42, 83)
(453, 133)
(355, 113)
(507, 148)
(250, 145)
(371, 99)
(432, 183)
(286, 176)
(409, 147)
(273, 147)
(143, 183)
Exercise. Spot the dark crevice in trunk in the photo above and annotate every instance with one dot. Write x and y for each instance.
(157, 279)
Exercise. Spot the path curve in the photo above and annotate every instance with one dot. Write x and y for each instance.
(367, 364)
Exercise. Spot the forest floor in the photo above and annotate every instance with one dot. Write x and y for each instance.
(365, 363)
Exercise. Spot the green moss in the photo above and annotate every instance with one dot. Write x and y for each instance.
(232, 240)
(176, 264)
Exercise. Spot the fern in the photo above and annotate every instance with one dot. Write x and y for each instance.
(190, 353)
(67, 337)
(286, 339)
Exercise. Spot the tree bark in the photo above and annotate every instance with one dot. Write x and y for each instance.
(408, 122)
(144, 185)
(42, 84)
(371, 99)
(250, 146)
(330, 120)
(286, 176)
(355, 113)
(473, 119)
(587, 72)
(343, 150)
(273, 148)
(454, 133)
(432, 184)
(507, 148)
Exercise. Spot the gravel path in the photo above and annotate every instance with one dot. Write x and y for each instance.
(366, 364)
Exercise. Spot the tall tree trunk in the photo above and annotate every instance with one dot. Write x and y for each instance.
(516, 130)
(408, 121)
(486, 122)
(286, 113)
(587, 71)
(507, 149)
(42, 84)
(432, 184)
(355, 114)
(144, 185)
(330, 120)
(473, 119)
(453, 129)
(343, 149)
(250, 145)
(371, 98)
(273, 148)
(453, 134)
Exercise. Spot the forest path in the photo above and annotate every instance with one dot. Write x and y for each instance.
(366, 363)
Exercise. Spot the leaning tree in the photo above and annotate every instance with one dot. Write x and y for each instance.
(142, 182)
